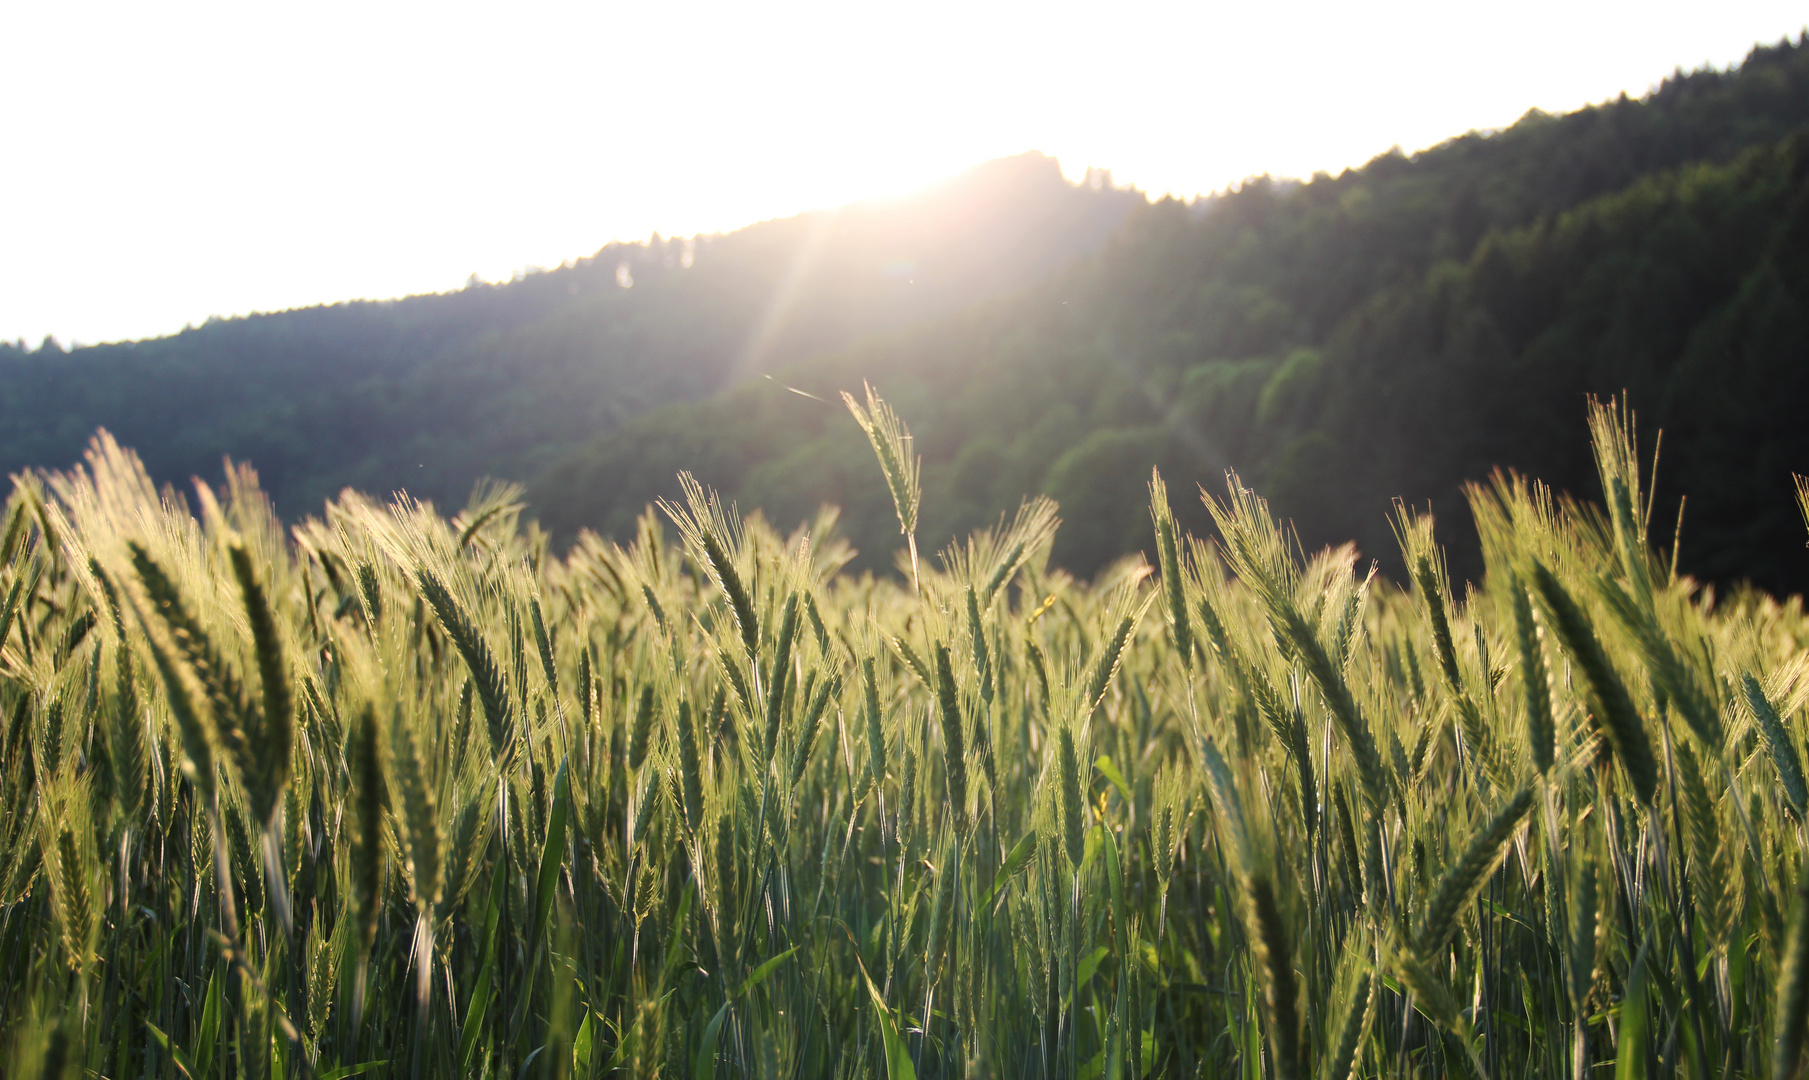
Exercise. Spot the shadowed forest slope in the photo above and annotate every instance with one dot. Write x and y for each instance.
(1395, 331)
(431, 392)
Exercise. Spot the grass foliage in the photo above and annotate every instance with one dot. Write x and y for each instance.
(392, 794)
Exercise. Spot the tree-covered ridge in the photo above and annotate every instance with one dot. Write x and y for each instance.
(430, 393)
(1393, 331)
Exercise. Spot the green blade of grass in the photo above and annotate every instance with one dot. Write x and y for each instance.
(1020, 854)
(480, 992)
(898, 1059)
(175, 1052)
(552, 854)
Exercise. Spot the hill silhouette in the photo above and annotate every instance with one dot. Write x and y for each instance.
(1395, 331)
(429, 393)
(1398, 330)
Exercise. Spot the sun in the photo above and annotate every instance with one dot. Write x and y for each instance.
(202, 159)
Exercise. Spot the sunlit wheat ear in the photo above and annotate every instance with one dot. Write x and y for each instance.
(646, 892)
(422, 834)
(1105, 665)
(370, 592)
(1068, 766)
(811, 724)
(1259, 553)
(1458, 888)
(321, 967)
(1349, 627)
(1432, 583)
(1608, 698)
(1274, 961)
(1227, 806)
(370, 801)
(977, 635)
(730, 582)
(486, 674)
(1580, 946)
(1676, 680)
(690, 767)
(913, 661)
(518, 660)
(543, 645)
(723, 863)
(1783, 751)
(954, 747)
(716, 539)
(1611, 430)
(1347, 837)
(876, 735)
(30, 488)
(9, 608)
(275, 737)
(197, 738)
(1426, 567)
(1431, 724)
(228, 708)
(1169, 825)
(585, 689)
(1430, 995)
(737, 679)
(66, 842)
(1002, 573)
(906, 814)
(1164, 841)
(1030, 914)
(1350, 1033)
(641, 733)
(460, 828)
(892, 444)
(1802, 499)
(942, 910)
(1704, 836)
(131, 752)
(1169, 551)
(780, 673)
(1039, 670)
(15, 531)
(1535, 683)
(1231, 658)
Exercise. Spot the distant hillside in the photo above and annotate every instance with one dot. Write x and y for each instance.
(431, 392)
(1394, 331)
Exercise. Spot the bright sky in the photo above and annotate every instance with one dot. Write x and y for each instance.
(171, 161)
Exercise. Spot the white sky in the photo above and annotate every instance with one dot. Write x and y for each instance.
(170, 161)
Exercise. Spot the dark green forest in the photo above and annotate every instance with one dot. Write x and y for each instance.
(1394, 331)
(430, 393)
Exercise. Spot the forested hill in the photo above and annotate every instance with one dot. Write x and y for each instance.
(431, 392)
(1394, 331)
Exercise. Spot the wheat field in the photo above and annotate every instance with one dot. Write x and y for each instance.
(395, 794)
